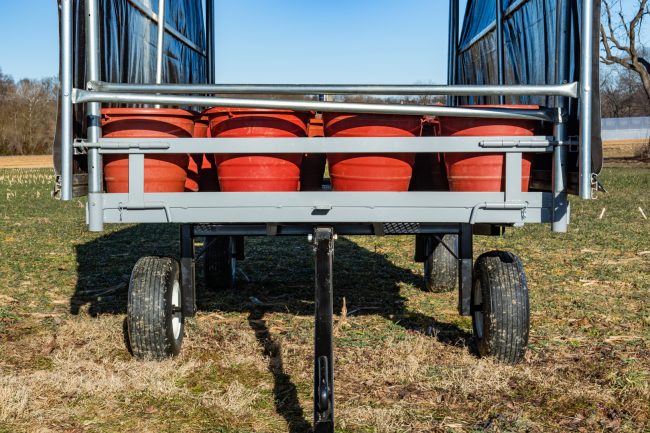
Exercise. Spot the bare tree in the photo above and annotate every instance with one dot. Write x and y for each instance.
(27, 115)
(622, 94)
(620, 40)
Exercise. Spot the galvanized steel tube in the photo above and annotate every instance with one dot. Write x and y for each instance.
(586, 77)
(560, 201)
(66, 100)
(84, 96)
(569, 89)
(94, 131)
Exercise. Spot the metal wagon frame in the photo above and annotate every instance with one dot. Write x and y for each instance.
(324, 214)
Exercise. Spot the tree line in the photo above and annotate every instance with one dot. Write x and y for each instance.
(27, 115)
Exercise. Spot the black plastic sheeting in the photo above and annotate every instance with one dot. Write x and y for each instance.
(128, 43)
(529, 55)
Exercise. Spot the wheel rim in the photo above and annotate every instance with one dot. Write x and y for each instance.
(477, 310)
(177, 314)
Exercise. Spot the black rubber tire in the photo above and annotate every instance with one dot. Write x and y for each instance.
(500, 309)
(219, 263)
(150, 311)
(441, 266)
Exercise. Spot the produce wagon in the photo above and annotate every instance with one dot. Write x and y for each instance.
(546, 52)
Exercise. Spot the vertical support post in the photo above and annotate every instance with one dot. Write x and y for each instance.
(188, 286)
(452, 52)
(465, 274)
(586, 77)
(161, 40)
(66, 100)
(136, 179)
(560, 202)
(94, 131)
(513, 176)
(500, 49)
(209, 36)
(323, 240)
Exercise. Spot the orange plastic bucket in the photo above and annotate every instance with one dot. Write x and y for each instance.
(162, 173)
(371, 172)
(485, 172)
(275, 172)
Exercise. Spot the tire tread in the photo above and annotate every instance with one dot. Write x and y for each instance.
(149, 309)
(441, 267)
(504, 291)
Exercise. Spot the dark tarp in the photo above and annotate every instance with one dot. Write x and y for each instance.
(128, 42)
(529, 55)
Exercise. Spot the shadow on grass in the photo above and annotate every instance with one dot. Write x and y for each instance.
(104, 265)
(285, 393)
(280, 272)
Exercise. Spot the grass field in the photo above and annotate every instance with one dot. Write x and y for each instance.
(404, 358)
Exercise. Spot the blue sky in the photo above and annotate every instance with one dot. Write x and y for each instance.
(281, 41)
(335, 41)
(29, 44)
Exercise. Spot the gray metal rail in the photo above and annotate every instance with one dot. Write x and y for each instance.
(85, 96)
(487, 144)
(568, 89)
(327, 207)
